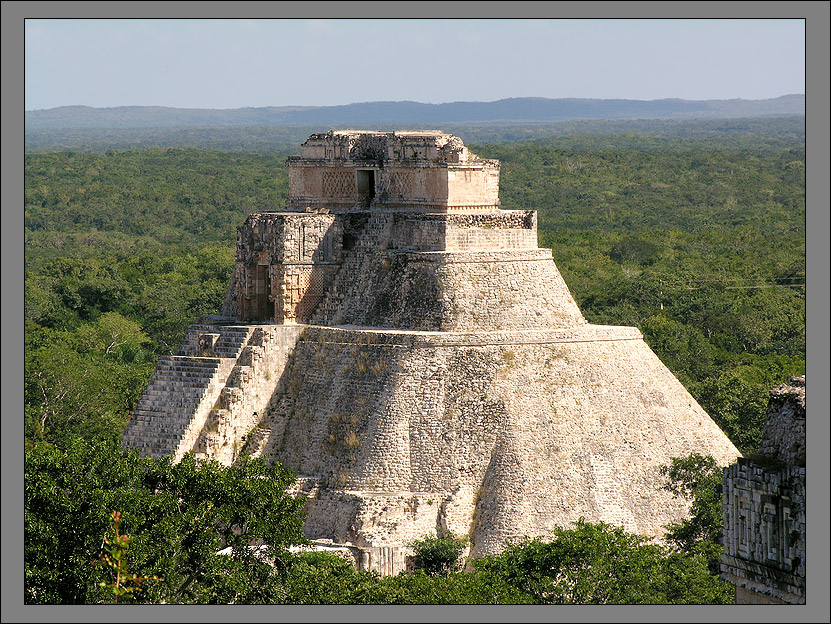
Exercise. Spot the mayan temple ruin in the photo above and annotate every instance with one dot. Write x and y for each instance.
(763, 508)
(402, 344)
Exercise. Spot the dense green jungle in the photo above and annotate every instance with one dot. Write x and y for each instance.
(693, 232)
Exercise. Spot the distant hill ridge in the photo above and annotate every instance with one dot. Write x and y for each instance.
(529, 109)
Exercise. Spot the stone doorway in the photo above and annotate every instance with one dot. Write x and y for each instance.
(262, 305)
(366, 185)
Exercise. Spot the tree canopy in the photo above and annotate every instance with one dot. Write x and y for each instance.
(192, 525)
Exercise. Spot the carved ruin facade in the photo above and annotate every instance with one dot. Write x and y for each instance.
(764, 508)
(402, 344)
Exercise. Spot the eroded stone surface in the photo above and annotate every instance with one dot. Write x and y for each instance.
(784, 435)
(515, 437)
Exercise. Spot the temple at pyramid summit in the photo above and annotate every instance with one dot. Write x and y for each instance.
(404, 346)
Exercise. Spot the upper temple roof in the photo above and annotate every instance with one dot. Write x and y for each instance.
(399, 145)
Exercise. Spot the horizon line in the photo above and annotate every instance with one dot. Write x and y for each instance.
(531, 97)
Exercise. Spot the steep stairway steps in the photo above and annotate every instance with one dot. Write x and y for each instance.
(181, 393)
(230, 343)
(372, 236)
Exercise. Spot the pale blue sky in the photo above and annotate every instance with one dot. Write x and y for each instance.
(213, 63)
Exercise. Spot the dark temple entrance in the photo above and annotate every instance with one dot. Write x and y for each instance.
(263, 310)
(366, 185)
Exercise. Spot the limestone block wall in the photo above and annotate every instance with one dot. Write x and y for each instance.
(318, 186)
(489, 231)
(482, 239)
(376, 285)
(422, 185)
(384, 519)
(470, 187)
(366, 234)
(335, 269)
(414, 171)
(764, 533)
(454, 291)
(764, 508)
(489, 434)
(419, 185)
(285, 261)
(500, 230)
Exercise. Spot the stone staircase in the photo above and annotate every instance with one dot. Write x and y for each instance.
(173, 408)
(213, 393)
(230, 340)
(374, 236)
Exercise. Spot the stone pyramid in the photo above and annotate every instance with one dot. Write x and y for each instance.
(403, 345)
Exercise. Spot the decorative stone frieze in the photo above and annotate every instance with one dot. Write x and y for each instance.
(412, 171)
(764, 508)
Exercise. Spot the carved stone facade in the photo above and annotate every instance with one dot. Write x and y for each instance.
(413, 356)
(421, 171)
(764, 508)
(284, 263)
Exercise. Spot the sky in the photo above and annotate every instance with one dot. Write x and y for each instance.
(218, 63)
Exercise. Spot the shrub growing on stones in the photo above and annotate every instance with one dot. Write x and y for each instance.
(439, 556)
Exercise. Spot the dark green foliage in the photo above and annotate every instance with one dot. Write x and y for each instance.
(322, 578)
(456, 588)
(737, 398)
(84, 382)
(170, 195)
(439, 556)
(697, 479)
(178, 518)
(95, 327)
(601, 564)
(592, 183)
(683, 348)
(634, 249)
